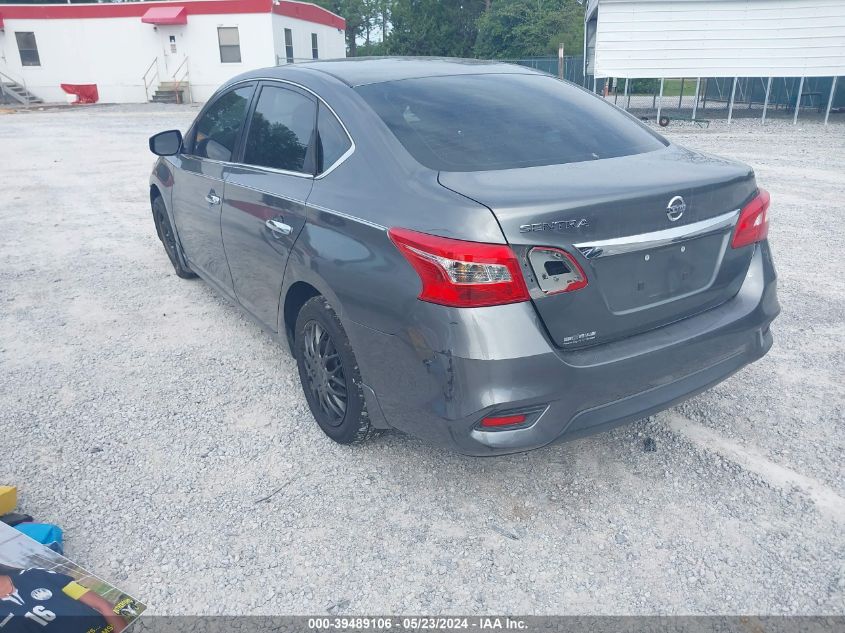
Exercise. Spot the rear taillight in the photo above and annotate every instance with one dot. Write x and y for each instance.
(753, 223)
(462, 274)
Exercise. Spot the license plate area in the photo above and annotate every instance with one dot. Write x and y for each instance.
(645, 278)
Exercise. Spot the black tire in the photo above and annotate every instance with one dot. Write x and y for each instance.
(329, 374)
(664, 121)
(168, 239)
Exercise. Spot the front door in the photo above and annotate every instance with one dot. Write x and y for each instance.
(172, 46)
(265, 196)
(198, 186)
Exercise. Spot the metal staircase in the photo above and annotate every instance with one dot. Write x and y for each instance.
(16, 93)
(178, 90)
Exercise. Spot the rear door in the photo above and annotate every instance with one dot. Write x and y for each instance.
(264, 205)
(198, 183)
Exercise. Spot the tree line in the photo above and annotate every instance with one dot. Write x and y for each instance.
(487, 29)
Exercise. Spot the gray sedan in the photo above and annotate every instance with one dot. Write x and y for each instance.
(475, 253)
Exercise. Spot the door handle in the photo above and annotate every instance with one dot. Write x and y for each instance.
(277, 226)
(212, 198)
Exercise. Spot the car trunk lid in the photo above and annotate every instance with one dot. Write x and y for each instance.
(643, 268)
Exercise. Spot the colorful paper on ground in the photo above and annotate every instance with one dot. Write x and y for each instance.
(45, 582)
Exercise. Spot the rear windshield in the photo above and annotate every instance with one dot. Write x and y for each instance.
(503, 121)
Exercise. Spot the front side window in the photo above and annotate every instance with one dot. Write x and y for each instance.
(289, 45)
(315, 50)
(230, 44)
(333, 140)
(503, 121)
(218, 129)
(28, 49)
(280, 132)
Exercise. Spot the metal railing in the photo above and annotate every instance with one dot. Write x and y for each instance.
(20, 81)
(146, 77)
(182, 80)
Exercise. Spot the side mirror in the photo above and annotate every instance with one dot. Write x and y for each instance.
(166, 143)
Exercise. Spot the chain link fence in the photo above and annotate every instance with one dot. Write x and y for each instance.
(701, 100)
(573, 66)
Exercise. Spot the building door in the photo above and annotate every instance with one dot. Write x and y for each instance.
(173, 52)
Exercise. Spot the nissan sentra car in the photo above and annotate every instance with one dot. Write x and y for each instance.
(475, 253)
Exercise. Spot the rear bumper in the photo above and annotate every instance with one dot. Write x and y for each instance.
(448, 369)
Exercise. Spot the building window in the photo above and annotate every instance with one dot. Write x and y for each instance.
(315, 51)
(289, 45)
(230, 44)
(28, 49)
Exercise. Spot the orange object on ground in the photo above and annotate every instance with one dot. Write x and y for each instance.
(8, 499)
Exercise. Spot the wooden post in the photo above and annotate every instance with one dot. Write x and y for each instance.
(681, 97)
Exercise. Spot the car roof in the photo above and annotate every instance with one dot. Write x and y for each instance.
(357, 71)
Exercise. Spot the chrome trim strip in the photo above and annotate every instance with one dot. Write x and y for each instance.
(341, 214)
(271, 170)
(656, 239)
(265, 192)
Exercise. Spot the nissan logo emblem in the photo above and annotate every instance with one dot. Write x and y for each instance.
(675, 209)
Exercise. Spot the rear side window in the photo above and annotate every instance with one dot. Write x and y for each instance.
(280, 132)
(218, 128)
(503, 121)
(334, 142)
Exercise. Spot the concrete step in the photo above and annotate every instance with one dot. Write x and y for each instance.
(166, 92)
(168, 97)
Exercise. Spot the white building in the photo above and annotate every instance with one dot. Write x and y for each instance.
(129, 50)
(716, 38)
(789, 53)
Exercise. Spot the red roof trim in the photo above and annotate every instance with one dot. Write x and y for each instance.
(310, 13)
(299, 10)
(130, 9)
(1, 21)
(165, 15)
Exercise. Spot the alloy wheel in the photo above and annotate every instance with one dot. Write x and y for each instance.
(167, 236)
(324, 370)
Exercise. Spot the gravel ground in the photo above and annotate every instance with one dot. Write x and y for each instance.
(168, 436)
